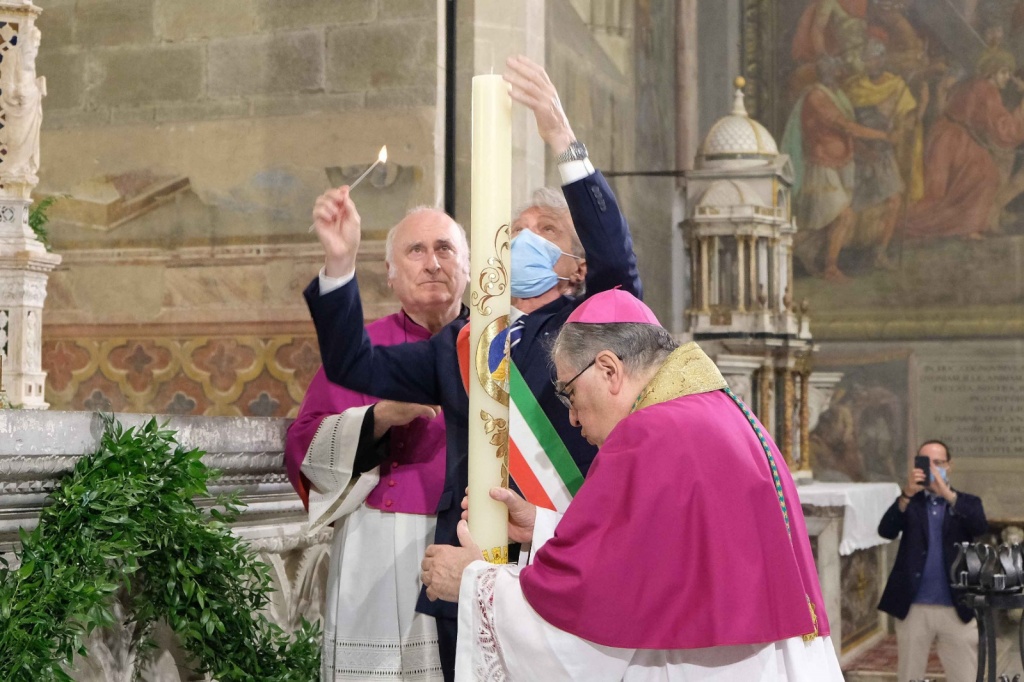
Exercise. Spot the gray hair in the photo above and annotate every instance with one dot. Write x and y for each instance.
(641, 347)
(551, 199)
(389, 241)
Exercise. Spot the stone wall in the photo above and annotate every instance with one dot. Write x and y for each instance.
(187, 141)
(244, 104)
(614, 64)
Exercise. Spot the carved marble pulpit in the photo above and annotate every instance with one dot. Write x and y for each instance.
(24, 262)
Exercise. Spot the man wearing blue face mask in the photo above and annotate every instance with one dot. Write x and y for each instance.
(534, 259)
(555, 266)
(933, 518)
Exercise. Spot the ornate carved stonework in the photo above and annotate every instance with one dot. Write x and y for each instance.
(24, 262)
(24, 285)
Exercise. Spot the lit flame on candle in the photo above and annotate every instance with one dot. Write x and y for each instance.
(383, 156)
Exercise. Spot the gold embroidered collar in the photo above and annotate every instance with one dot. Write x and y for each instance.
(687, 371)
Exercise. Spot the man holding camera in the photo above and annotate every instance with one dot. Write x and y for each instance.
(933, 518)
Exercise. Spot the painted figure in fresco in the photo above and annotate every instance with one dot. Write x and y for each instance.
(856, 437)
(834, 444)
(906, 52)
(882, 101)
(819, 138)
(961, 176)
(831, 27)
(836, 28)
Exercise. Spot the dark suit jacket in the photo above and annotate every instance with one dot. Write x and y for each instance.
(963, 523)
(428, 371)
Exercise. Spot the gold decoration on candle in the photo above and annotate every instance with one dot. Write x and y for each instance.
(497, 428)
(493, 279)
(496, 555)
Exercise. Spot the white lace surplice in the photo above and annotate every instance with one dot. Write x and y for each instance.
(371, 628)
(502, 638)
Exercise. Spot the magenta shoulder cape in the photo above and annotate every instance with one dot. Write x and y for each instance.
(676, 539)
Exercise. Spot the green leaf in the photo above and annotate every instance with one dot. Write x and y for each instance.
(123, 524)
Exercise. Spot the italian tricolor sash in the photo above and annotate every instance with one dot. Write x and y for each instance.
(538, 460)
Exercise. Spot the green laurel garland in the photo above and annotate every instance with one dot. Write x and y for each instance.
(123, 525)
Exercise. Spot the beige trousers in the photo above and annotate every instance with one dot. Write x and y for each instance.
(957, 643)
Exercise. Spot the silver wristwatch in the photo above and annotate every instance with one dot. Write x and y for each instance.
(577, 151)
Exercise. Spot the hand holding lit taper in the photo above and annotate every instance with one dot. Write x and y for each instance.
(382, 157)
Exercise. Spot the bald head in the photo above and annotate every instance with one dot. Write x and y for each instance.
(416, 217)
(427, 258)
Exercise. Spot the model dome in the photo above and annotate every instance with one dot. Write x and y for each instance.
(736, 140)
(730, 193)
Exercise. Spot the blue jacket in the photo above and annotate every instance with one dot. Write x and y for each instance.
(963, 523)
(428, 371)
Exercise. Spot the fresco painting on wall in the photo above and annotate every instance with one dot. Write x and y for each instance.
(905, 123)
(862, 435)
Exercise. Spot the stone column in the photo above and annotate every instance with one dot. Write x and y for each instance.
(766, 397)
(705, 282)
(741, 266)
(752, 272)
(739, 371)
(715, 295)
(805, 417)
(786, 377)
(24, 262)
(687, 143)
(821, 386)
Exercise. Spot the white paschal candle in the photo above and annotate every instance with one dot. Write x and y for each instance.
(490, 298)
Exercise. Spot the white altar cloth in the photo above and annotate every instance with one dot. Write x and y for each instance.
(863, 506)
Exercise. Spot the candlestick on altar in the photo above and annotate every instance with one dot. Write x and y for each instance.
(490, 298)
(382, 157)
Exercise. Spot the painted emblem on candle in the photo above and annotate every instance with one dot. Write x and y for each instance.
(492, 359)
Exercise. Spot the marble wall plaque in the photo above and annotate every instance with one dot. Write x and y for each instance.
(974, 404)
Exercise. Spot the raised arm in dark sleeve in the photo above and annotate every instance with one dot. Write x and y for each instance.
(893, 521)
(405, 372)
(604, 233)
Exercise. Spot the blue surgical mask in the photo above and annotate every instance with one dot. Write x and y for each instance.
(533, 265)
(944, 474)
